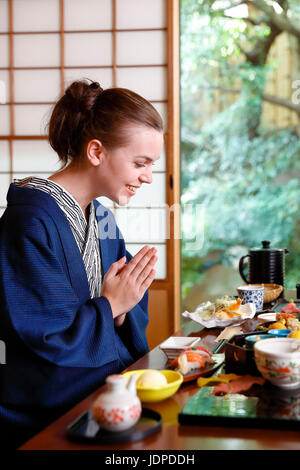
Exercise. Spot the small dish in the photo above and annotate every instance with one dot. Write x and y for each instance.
(271, 316)
(173, 346)
(148, 395)
(282, 333)
(252, 339)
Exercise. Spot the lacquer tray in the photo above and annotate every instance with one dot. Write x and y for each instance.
(85, 429)
(267, 407)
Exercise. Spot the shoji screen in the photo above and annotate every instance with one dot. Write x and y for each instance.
(45, 45)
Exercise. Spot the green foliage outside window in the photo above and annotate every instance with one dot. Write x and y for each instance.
(244, 173)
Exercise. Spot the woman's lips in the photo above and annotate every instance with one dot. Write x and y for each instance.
(131, 189)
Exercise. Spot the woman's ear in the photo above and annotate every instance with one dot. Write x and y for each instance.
(94, 150)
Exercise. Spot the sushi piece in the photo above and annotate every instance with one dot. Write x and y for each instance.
(191, 359)
(290, 308)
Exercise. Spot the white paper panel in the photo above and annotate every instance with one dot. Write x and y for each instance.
(4, 47)
(4, 184)
(32, 119)
(141, 48)
(151, 195)
(4, 155)
(21, 175)
(88, 14)
(36, 50)
(34, 155)
(150, 82)
(160, 164)
(36, 15)
(4, 86)
(4, 120)
(103, 76)
(139, 14)
(147, 225)
(162, 108)
(3, 16)
(37, 85)
(2, 209)
(161, 264)
(88, 49)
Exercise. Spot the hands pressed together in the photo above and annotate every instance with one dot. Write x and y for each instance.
(124, 285)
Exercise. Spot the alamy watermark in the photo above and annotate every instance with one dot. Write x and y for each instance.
(154, 224)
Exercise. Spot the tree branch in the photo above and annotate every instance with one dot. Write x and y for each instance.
(280, 20)
(276, 100)
(285, 103)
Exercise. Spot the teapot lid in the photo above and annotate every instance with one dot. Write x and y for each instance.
(266, 247)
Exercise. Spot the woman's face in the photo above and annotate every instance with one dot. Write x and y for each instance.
(127, 168)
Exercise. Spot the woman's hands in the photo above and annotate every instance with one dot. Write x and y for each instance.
(124, 285)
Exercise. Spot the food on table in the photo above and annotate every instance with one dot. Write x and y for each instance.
(151, 379)
(223, 308)
(225, 384)
(285, 320)
(192, 359)
(241, 384)
(229, 311)
(290, 308)
(277, 326)
(294, 334)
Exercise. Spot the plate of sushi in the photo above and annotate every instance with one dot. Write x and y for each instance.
(195, 362)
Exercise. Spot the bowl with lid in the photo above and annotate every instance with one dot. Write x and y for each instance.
(278, 360)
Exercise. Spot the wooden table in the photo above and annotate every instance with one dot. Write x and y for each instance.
(172, 436)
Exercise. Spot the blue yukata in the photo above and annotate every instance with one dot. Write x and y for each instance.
(60, 342)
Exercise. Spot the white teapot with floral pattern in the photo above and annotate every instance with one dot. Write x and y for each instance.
(117, 408)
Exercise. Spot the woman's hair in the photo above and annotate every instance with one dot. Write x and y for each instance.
(87, 112)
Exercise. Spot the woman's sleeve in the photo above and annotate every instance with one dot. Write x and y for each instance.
(40, 303)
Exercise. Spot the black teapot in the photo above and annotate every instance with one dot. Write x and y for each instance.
(266, 265)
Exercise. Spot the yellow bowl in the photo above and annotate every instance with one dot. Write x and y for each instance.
(147, 395)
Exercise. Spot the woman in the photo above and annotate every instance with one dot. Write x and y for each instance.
(73, 301)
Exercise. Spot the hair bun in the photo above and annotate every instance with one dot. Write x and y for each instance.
(96, 86)
(82, 96)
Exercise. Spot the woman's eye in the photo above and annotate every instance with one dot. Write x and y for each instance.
(141, 165)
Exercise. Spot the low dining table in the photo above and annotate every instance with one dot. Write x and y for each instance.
(172, 435)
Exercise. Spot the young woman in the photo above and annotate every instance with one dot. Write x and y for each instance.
(73, 300)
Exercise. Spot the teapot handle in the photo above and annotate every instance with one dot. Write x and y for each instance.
(241, 268)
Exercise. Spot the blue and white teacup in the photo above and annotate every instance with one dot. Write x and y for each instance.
(252, 294)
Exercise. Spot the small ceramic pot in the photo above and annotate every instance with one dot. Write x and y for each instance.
(252, 294)
(118, 408)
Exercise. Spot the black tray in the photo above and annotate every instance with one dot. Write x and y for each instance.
(267, 407)
(85, 429)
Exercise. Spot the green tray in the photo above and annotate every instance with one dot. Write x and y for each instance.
(269, 408)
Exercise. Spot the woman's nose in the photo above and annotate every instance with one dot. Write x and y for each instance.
(146, 177)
